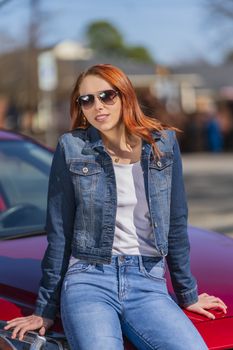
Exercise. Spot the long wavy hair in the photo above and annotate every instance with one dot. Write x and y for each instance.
(136, 122)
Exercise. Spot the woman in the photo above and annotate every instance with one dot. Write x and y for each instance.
(116, 209)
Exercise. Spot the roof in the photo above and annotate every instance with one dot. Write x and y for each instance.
(213, 76)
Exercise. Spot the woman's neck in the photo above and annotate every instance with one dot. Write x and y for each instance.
(118, 139)
(122, 148)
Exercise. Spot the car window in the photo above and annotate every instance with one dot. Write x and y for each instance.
(24, 173)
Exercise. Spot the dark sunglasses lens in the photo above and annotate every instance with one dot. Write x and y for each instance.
(108, 96)
(86, 100)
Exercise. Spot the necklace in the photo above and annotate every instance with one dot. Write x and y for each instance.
(112, 154)
(116, 158)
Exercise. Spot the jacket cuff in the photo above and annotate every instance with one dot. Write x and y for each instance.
(187, 298)
(46, 311)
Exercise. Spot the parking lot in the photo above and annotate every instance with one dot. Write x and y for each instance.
(209, 187)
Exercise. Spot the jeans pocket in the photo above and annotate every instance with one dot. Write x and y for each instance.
(154, 269)
(74, 273)
(77, 267)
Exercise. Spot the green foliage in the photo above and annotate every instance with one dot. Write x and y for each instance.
(106, 39)
(139, 53)
(103, 37)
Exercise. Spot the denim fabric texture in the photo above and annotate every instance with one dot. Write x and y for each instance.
(82, 203)
(99, 302)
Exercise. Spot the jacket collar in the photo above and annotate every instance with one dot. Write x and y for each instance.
(93, 139)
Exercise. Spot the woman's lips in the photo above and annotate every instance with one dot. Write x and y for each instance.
(101, 117)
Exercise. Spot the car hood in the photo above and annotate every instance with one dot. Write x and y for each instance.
(211, 263)
(20, 262)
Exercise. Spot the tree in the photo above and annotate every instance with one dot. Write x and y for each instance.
(3, 2)
(220, 15)
(139, 53)
(106, 39)
(221, 10)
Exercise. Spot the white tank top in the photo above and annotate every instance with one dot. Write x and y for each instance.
(133, 231)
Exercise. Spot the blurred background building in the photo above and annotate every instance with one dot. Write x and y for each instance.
(36, 78)
(45, 45)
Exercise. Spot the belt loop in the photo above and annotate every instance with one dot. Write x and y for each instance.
(114, 260)
(141, 266)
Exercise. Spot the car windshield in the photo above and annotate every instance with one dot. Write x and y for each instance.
(24, 173)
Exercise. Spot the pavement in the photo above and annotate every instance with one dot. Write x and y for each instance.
(209, 186)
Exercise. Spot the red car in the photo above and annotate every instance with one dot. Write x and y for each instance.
(25, 167)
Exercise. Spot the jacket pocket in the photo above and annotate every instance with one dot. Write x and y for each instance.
(161, 164)
(85, 174)
(161, 170)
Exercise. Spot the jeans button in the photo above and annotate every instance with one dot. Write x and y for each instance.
(121, 258)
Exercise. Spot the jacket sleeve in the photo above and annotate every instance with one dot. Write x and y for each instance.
(178, 257)
(59, 228)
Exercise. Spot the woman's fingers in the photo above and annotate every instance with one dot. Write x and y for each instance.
(214, 305)
(221, 302)
(14, 322)
(210, 301)
(21, 325)
(24, 329)
(205, 303)
(42, 331)
(217, 305)
(206, 313)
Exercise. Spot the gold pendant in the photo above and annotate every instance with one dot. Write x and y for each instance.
(116, 160)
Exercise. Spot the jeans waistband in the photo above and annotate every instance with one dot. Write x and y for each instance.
(136, 260)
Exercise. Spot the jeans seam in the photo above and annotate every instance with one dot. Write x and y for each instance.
(139, 335)
(71, 341)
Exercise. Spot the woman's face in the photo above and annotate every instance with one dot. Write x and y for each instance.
(104, 116)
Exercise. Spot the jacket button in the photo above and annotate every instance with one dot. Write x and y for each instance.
(159, 164)
(85, 170)
(155, 224)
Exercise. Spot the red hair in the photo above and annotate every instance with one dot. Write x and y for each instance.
(136, 122)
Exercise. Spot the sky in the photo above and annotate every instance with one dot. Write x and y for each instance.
(173, 31)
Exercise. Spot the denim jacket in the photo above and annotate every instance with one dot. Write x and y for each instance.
(82, 204)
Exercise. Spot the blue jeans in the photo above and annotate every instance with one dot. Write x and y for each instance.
(101, 302)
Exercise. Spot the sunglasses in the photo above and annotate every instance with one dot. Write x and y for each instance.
(107, 97)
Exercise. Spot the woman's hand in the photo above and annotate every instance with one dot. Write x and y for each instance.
(21, 325)
(206, 302)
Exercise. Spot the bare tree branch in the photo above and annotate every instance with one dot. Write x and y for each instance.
(4, 2)
(220, 8)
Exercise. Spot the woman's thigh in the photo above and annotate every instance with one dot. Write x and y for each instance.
(159, 323)
(151, 319)
(89, 309)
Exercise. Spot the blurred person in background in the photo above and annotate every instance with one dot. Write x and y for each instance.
(116, 210)
(213, 134)
(13, 117)
(225, 119)
(4, 103)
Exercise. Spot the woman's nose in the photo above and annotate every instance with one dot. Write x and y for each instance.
(98, 103)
